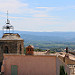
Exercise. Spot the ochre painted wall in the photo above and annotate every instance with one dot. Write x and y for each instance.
(33, 64)
(30, 65)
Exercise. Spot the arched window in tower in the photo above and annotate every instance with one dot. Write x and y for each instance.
(6, 49)
(20, 49)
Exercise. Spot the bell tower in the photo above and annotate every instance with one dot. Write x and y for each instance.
(11, 42)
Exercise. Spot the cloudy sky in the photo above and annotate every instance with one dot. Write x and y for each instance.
(39, 15)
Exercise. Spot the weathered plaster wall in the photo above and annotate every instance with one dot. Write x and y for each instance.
(30, 65)
(33, 65)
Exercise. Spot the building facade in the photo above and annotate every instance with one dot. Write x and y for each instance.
(10, 43)
(32, 65)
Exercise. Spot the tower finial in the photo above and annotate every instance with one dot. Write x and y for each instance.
(8, 26)
(8, 22)
(7, 14)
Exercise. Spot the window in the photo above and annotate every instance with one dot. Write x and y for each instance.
(6, 49)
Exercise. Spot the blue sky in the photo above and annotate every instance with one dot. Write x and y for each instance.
(39, 15)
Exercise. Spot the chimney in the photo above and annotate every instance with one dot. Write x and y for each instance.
(66, 49)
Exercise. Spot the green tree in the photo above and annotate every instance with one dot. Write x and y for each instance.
(62, 71)
(65, 73)
(40, 50)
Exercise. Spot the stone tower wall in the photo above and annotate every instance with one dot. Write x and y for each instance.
(1, 55)
(12, 46)
(20, 44)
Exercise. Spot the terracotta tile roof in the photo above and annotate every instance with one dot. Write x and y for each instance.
(30, 46)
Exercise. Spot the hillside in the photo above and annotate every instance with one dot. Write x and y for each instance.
(48, 40)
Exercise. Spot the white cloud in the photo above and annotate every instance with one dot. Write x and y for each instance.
(34, 24)
(54, 8)
(40, 15)
(40, 24)
(40, 20)
(14, 6)
(48, 8)
(44, 16)
(43, 24)
(42, 7)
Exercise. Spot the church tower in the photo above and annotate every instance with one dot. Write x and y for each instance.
(11, 42)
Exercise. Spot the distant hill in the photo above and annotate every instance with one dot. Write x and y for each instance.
(48, 36)
(48, 40)
(1, 33)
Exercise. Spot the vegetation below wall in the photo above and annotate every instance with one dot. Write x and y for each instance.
(62, 71)
(53, 46)
(55, 41)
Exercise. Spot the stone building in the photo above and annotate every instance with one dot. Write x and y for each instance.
(13, 61)
(68, 60)
(32, 65)
(10, 42)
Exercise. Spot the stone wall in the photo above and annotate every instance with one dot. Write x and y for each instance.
(1, 55)
(1, 58)
(20, 47)
(13, 46)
